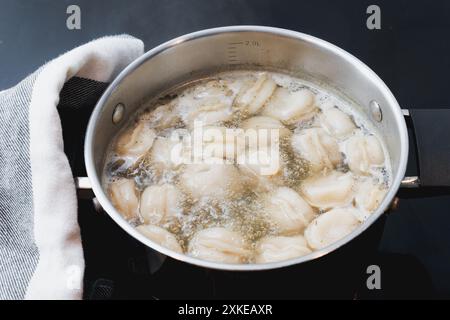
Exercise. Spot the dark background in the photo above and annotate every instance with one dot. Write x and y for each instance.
(411, 53)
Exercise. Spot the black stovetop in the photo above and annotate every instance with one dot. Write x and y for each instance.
(410, 53)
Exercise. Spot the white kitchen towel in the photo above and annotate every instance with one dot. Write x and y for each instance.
(41, 256)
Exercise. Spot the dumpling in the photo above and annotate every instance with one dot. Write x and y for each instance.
(222, 142)
(262, 167)
(337, 123)
(167, 153)
(369, 196)
(208, 104)
(262, 159)
(288, 211)
(209, 114)
(219, 245)
(160, 203)
(124, 197)
(263, 139)
(217, 180)
(262, 122)
(331, 226)
(362, 152)
(136, 141)
(280, 248)
(160, 236)
(316, 146)
(334, 189)
(290, 107)
(253, 96)
(162, 117)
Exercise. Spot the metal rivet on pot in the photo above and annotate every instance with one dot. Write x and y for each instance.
(118, 113)
(375, 109)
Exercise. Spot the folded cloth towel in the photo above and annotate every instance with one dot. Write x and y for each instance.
(41, 256)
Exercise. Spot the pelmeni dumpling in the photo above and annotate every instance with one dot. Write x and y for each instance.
(219, 245)
(369, 195)
(331, 226)
(160, 203)
(254, 95)
(221, 142)
(135, 142)
(217, 180)
(263, 134)
(329, 190)
(288, 211)
(262, 167)
(162, 117)
(207, 105)
(124, 197)
(209, 114)
(337, 123)
(160, 236)
(280, 248)
(319, 148)
(268, 123)
(167, 152)
(290, 107)
(362, 152)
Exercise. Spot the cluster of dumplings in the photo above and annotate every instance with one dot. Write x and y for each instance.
(344, 174)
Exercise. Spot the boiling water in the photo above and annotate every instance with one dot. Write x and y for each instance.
(243, 211)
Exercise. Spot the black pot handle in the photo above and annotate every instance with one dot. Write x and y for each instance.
(430, 146)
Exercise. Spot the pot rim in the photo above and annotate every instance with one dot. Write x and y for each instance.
(117, 217)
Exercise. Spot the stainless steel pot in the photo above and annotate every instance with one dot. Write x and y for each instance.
(200, 53)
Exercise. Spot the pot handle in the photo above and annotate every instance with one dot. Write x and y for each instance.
(84, 188)
(85, 192)
(430, 135)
